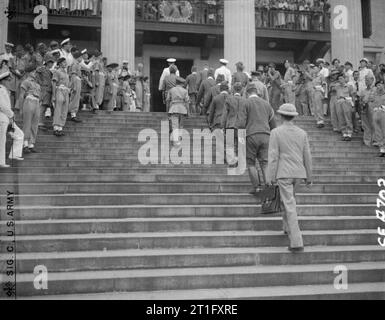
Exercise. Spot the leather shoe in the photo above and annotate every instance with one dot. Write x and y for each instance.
(296, 250)
(33, 150)
(76, 120)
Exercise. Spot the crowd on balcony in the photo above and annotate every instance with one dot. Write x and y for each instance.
(293, 14)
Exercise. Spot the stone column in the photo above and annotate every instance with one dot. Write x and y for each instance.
(118, 31)
(346, 30)
(239, 33)
(3, 24)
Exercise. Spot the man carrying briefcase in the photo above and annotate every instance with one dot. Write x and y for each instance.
(289, 163)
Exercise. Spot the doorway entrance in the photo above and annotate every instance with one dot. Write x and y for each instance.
(156, 68)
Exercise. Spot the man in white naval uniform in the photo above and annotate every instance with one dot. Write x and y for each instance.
(224, 71)
(166, 72)
(65, 52)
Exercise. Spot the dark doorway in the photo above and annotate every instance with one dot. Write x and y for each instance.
(156, 68)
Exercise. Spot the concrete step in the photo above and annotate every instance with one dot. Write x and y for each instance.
(199, 278)
(358, 291)
(11, 178)
(164, 240)
(172, 211)
(191, 258)
(100, 226)
(112, 188)
(187, 198)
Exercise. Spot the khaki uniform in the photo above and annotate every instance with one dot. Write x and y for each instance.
(61, 81)
(344, 106)
(379, 121)
(44, 79)
(75, 88)
(367, 106)
(31, 110)
(111, 91)
(318, 97)
(100, 83)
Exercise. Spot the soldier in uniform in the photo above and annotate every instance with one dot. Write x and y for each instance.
(9, 81)
(18, 72)
(29, 99)
(288, 85)
(191, 84)
(256, 80)
(344, 106)
(333, 79)
(122, 99)
(213, 92)
(367, 98)
(44, 79)
(60, 96)
(178, 102)
(318, 96)
(379, 116)
(75, 74)
(275, 81)
(100, 79)
(240, 76)
(7, 115)
(65, 51)
(111, 88)
(38, 56)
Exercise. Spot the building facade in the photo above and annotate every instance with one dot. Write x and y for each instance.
(203, 31)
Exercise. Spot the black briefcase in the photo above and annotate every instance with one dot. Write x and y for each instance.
(270, 200)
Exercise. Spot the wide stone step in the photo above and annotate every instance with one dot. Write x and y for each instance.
(359, 291)
(188, 198)
(15, 179)
(111, 188)
(79, 226)
(192, 258)
(199, 278)
(119, 241)
(172, 211)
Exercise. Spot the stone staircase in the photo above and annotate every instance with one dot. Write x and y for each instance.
(107, 227)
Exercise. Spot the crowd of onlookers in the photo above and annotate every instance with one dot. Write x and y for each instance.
(287, 14)
(44, 86)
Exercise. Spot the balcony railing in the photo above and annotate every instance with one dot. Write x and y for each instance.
(193, 11)
(315, 21)
(201, 12)
(78, 8)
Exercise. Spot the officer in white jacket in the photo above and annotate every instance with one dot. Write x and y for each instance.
(166, 72)
(6, 115)
(224, 71)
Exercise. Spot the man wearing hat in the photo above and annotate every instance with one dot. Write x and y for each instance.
(44, 79)
(223, 70)
(166, 72)
(8, 51)
(60, 96)
(75, 74)
(54, 45)
(333, 84)
(18, 71)
(7, 115)
(111, 88)
(65, 51)
(344, 107)
(178, 102)
(55, 55)
(124, 70)
(288, 84)
(29, 99)
(290, 162)
(99, 78)
(260, 121)
(85, 63)
(367, 99)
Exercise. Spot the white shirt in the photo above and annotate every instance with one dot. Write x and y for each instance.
(68, 56)
(324, 72)
(363, 73)
(226, 72)
(6, 112)
(165, 73)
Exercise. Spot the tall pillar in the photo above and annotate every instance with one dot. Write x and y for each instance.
(118, 31)
(346, 29)
(3, 24)
(239, 33)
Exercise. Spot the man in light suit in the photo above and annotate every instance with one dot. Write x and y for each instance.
(224, 71)
(289, 163)
(166, 72)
